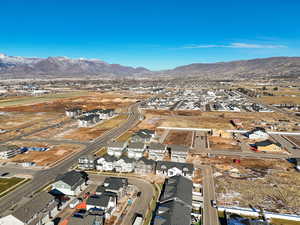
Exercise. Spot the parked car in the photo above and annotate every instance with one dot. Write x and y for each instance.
(74, 203)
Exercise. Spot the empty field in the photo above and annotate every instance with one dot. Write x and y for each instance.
(179, 138)
(88, 134)
(47, 158)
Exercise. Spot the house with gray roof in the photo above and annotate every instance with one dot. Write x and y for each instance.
(70, 183)
(143, 135)
(156, 151)
(144, 166)
(39, 210)
(136, 150)
(116, 185)
(86, 219)
(168, 169)
(125, 165)
(116, 148)
(178, 153)
(175, 202)
(73, 112)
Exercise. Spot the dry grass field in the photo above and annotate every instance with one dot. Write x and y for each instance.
(179, 138)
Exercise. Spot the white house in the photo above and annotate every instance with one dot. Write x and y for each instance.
(156, 151)
(257, 133)
(70, 183)
(136, 150)
(125, 165)
(179, 153)
(106, 163)
(104, 202)
(168, 169)
(116, 148)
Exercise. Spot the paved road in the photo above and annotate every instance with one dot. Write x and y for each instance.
(44, 177)
(257, 155)
(210, 214)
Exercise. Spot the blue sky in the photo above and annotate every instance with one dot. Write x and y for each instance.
(157, 34)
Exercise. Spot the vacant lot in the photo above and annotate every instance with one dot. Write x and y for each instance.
(6, 183)
(211, 120)
(219, 143)
(280, 99)
(179, 138)
(88, 134)
(271, 184)
(47, 158)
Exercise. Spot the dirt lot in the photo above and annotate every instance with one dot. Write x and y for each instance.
(54, 154)
(88, 134)
(270, 184)
(179, 138)
(215, 120)
(219, 143)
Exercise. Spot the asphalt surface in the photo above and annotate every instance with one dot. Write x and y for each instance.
(44, 177)
(210, 214)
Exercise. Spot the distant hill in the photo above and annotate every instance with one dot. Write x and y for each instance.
(266, 67)
(21, 67)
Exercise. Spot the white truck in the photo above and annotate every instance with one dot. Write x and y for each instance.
(74, 203)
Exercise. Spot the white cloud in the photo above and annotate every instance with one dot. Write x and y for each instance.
(234, 45)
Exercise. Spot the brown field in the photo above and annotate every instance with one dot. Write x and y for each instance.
(87, 101)
(179, 138)
(90, 133)
(280, 99)
(47, 158)
(219, 143)
(212, 120)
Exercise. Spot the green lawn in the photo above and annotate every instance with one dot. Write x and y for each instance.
(39, 99)
(6, 183)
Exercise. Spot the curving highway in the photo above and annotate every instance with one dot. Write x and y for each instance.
(44, 177)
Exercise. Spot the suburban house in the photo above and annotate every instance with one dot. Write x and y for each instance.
(175, 202)
(116, 148)
(143, 135)
(106, 163)
(86, 162)
(9, 151)
(136, 150)
(178, 153)
(257, 133)
(89, 120)
(125, 165)
(38, 211)
(106, 114)
(74, 112)
(86, 218)
(116, 185)
(103, 202)
(266, 146)
(70, 183)
(156, 151)
(144, 166)
(102, 113)
(167, 168)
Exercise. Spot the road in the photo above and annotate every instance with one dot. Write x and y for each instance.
(210, 214)
(44, 177)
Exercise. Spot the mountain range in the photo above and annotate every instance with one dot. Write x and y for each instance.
(21, 67)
